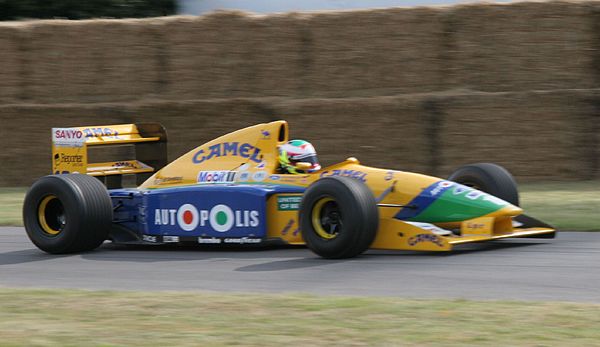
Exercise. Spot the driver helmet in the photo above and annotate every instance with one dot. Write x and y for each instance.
(296, 151)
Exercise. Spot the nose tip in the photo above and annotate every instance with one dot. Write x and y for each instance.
(507, 211)
(511, 210)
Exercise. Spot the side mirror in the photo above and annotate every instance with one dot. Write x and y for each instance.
(303, 166)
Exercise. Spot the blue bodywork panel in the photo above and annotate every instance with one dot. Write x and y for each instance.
(196, 213)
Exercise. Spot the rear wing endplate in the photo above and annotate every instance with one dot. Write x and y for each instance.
(70, 151)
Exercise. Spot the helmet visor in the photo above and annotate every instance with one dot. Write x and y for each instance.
(311, 159)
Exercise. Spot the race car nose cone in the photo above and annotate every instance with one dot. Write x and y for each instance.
(446, 201)
(508, 210)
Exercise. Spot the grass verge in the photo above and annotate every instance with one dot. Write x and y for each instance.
(11, 203)
(90, 318)
(566, 205)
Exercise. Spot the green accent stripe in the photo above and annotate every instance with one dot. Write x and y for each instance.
(455, 207)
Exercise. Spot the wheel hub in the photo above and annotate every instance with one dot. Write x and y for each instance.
(327, 221)
(51, 215)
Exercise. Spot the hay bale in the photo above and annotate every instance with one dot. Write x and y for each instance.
(208, 55)
(536, 135)
(232, 54)
(402, 132)
(398, 144)
(523, 46)
(518, 47)
(375, 52)
(327, 54)
(190, 124)
(277, 58)
(11, 60)
(385, 132)
(27, 137)
(92, 61)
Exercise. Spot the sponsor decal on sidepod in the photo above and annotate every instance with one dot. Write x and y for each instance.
(208, 177)
(221, 217)
(289, 203)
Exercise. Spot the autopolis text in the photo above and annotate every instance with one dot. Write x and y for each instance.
(244, 150)
(242, 218)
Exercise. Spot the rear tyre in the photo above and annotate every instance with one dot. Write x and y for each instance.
(338, 217)
(67, 213)
(490, 178)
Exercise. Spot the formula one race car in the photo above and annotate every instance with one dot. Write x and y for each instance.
(230, 191)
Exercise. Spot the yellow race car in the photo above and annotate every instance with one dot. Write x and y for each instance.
(231, 191)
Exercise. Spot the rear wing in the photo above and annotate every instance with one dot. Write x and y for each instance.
(70, 151)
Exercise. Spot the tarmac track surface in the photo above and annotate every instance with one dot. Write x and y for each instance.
(563, 269)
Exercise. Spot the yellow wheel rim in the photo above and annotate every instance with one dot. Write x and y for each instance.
(316, 219)
(42, 210)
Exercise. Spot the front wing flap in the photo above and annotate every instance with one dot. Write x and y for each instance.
(396, 234)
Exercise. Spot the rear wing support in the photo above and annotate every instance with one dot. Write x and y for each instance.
(70, 151)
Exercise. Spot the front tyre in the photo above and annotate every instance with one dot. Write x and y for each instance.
(490, 178)
(67, 213)
(338, 217)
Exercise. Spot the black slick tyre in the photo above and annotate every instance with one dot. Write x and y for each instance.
(338, 217)
(490, 178)
(67, 213)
